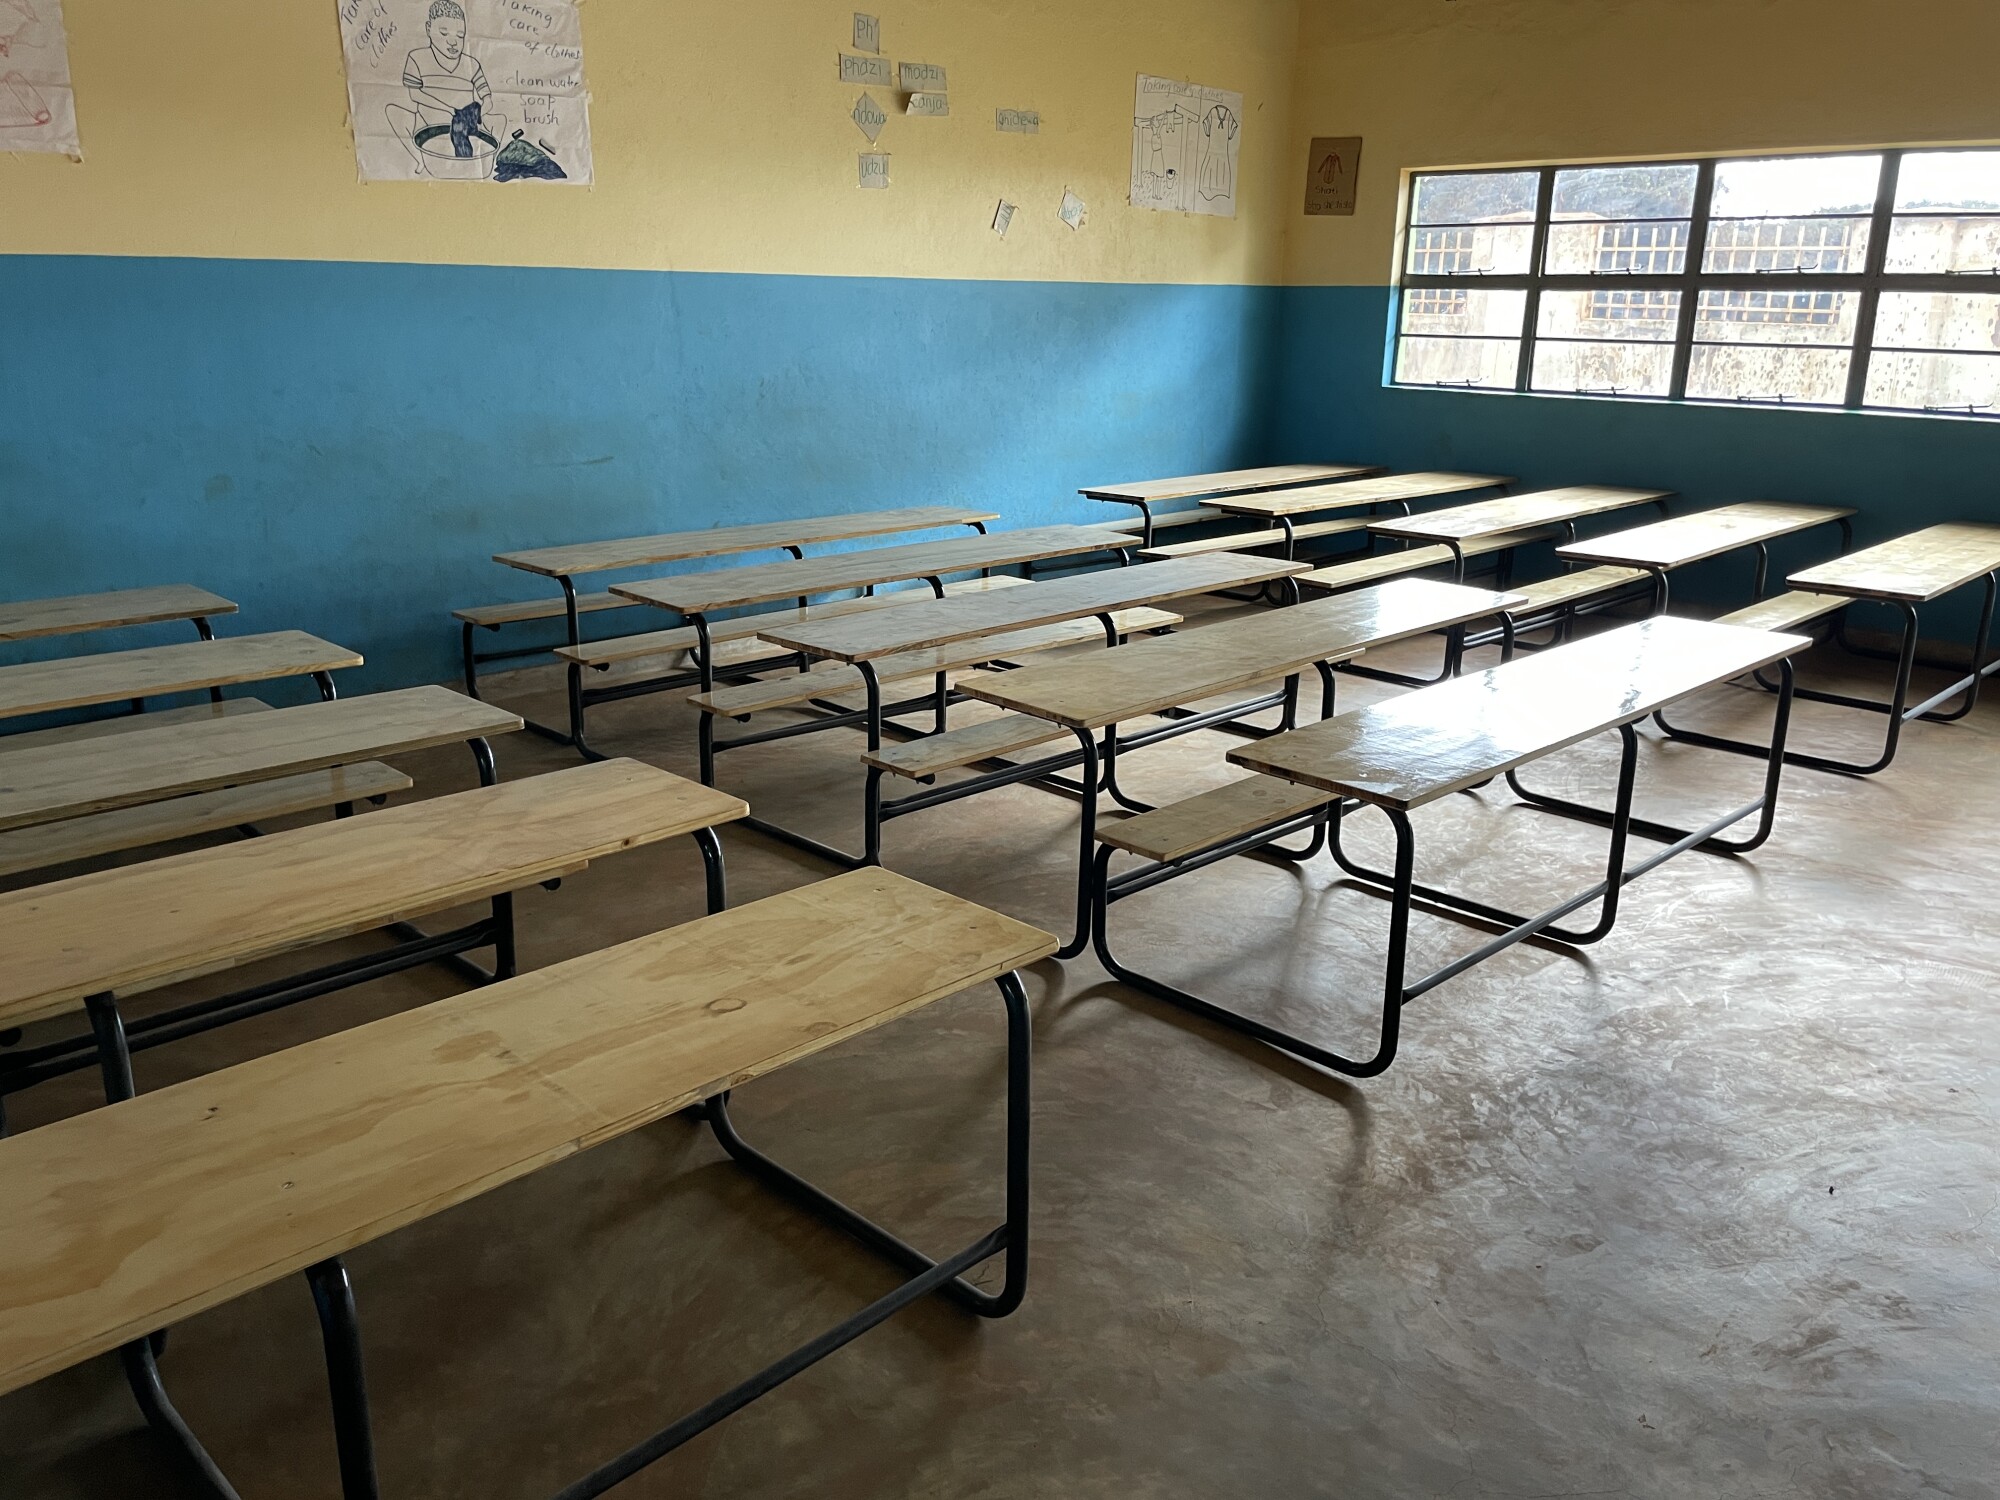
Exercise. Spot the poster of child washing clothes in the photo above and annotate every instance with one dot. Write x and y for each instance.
(467, 90)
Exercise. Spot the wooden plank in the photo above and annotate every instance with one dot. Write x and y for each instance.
(1516, 512)
(1201, 822)
(719, 541)
(944, 620)
(1574, 588)
(737, 588)
(149, 924)
(28, 619)
(1388, 489)
(1227, 482)
(491, 615)
(69, 781)
(69, 734)
(1438, 740)
(143, 1214)
(113, 676)
(1912, 569)
(1348, 575)
(48, 844)
(1244, 541)
(963, 746)
(1785, 611)
(1144, 677)
(1681, 540)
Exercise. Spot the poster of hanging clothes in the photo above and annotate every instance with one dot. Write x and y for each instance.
(466, 90)
(37, 105)
(1185, 141)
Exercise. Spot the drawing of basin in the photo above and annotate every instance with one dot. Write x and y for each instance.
(442, 162)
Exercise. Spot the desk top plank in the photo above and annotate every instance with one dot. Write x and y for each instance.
(916, 627)
(1143, 677)
(90, 729)
(1387, 489)
(27, 619)
(149, 924)
(111, 677)
(719, 541)
(1515, 512)
(735, 588)
(142, 1214)
(1438, 740)
(1912, 569)
(89, 776)
(1680, 540)
(1227, 482)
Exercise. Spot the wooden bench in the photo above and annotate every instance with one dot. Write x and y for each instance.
(125, 1220)
(1457, 527)
(1902, 574)
(1282, 507)
(76, 614)
(95, 939)
(1251, 541)
(1411, 751)
(1382, 566)
(39, 687)
(1148, 493)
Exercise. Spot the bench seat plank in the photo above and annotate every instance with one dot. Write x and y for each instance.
(719, 541)
(1912, 569)
(1226, 482)
(1573, 588)
(1517, 512)
(1145, 677)
(144, 925)
(738, 588)
(145, 1213)
(48, 844)
(69, 734)
(1363, 570)
(964, 746)
(1680, 540)
(96, 775)
(1244, 541)
(1443, 739)
(154, 671)
(1785, 611)
(492, 616)
(29, 619)
(1210, 818)
(1383, 490)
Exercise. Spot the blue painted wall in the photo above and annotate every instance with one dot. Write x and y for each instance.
(342, 447)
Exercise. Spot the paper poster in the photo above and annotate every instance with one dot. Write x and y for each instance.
(867, 33)
(874, 169)
(1331, 167)
(1185, 140)
(1017, 121)
(922, 78)
(932, 106)
(1073, 213)
(866, 70)
(869, 117)
(1003, 218)
(467, 90)
(37, 105)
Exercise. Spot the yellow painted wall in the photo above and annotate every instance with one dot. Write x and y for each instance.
(219, 128)
(1433, 83)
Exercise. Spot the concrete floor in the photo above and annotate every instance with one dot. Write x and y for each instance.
(1709, 1212)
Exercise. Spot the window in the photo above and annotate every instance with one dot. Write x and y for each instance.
(1855, 280)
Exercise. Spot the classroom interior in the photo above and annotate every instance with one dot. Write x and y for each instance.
(1387, 828)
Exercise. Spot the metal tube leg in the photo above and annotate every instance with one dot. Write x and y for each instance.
(710, 845)
(505, 959)
(471, 666)
(482, 757)
(1087, 846)
(354, 1435)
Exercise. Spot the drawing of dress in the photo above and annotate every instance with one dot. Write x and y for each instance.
(1218, 129)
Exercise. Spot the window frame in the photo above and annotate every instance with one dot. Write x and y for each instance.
(1691, 281)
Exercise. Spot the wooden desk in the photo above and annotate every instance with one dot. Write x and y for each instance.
(1913, 569)
(1682, 540)
(1227, 482)
(28, 619)
(1561, 507)
(1388, 489)
(114, 676)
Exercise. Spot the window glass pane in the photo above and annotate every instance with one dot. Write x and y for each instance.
(1471, 313)
(1938, 320)
(1934, 181)
(1634, 192)
(1935, 382)
(1613, 313)
(1731, 372)
(1617, 249)
(1793, 185)
(1475, 197)
(1828, 246)
(1587, 368)
(1487, 363)
(1776, 317)
(1927, 245)
(1476, 250)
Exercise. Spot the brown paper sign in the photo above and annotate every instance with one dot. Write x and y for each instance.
(1331, 171)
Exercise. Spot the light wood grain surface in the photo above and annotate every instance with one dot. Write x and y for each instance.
(1438, 740)
(114, 676)
(735, 588)
(1394, 564)
(1146, 676)
(1574, 588)
(943, 620)
(1913, 569)
(142, 1214)
(128, 723)
(963, 746)
(26, 619)
(1207, 819)
(96, 775)
(1515, 512)
(719, 541)
(1680, 540)
(1244, 541)
(1386, 489)
(1785, 611)
(1227, 482)
(538, 609)
(148, 924)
